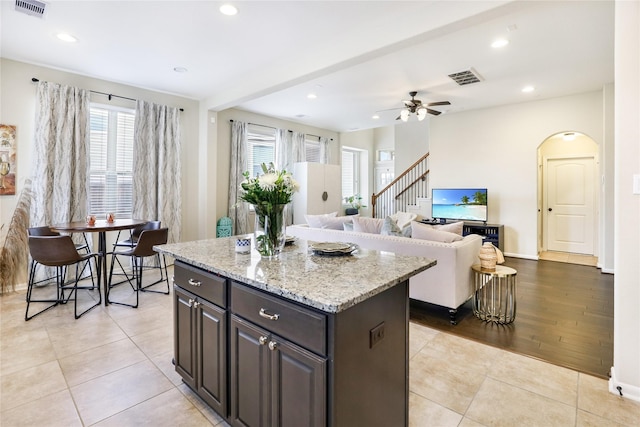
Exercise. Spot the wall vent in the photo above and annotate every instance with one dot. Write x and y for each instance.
(466, 77)
(31, 7)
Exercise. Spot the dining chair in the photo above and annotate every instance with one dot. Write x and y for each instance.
(47, 231)
(59, 252)
(133, 239)
(142, 249)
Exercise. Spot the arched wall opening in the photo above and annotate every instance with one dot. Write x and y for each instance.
(568, 196)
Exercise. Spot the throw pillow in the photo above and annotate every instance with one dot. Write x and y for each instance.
(335, 223)
(348, 226)
(454, 227)
(367, 225)
(404, 218)
(426, 232)
(315, 221)
(390, 227)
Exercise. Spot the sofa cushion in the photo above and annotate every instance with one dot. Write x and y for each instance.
(403, 219)
(316, 221)
(367, 225)
(390, 228)
(426, 232)
(454, 227)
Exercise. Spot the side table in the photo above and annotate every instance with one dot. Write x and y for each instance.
(494, 298)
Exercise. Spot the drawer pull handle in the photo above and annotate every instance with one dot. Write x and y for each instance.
(263, 313)
(190, 302)
(272, 345)
(196, 304)
(262, 340)
(195, 282)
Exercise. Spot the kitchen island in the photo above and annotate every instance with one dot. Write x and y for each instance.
(305, 340)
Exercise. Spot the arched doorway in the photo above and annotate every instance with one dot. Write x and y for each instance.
(568, 198)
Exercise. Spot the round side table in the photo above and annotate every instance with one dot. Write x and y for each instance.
(494, 299)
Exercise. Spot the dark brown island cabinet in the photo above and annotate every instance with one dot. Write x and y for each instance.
(262, 360)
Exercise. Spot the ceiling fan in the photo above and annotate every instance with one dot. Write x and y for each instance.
(415, 106)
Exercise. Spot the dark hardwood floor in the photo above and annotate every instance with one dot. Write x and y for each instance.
(564, 315)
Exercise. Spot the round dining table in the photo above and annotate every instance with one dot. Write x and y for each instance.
(101, 227)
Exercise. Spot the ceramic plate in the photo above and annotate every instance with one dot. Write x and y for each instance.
(331, 248)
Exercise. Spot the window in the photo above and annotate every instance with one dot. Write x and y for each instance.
(312, 148)
(350, 172)
(261, 148)
(111, 161)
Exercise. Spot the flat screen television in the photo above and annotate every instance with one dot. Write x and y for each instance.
(469, 204)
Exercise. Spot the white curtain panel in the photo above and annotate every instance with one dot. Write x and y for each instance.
(238, 210)
(156, 166)
(325, 153)
(61, 156)
(284, 150)
(299, 153)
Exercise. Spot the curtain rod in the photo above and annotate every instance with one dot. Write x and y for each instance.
(110, 95)
(271, 127)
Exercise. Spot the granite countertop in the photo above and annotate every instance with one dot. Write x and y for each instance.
(328, 283)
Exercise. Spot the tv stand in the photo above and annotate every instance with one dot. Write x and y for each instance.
(493, 233)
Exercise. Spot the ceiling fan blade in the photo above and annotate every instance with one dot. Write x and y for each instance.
(434, 112)
(432, 104)
(389, 109)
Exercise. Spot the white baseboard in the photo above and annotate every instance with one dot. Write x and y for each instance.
(628, 391)
(531, 257)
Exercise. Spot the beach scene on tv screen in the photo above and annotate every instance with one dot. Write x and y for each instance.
(469, 204)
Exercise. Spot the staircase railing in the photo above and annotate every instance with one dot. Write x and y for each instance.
(402, 191)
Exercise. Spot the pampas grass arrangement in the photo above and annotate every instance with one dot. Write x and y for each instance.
(14, 253)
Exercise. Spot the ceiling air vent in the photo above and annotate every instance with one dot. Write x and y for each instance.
(31, 7)
(466, 77)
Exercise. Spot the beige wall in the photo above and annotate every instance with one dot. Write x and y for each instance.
(626, 329)
(223, 149)
(17, 107)
(497, 148)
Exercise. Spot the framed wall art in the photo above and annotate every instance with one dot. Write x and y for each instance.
(7, 160)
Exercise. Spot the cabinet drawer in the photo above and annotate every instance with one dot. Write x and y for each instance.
(302, 326)
(201, 283)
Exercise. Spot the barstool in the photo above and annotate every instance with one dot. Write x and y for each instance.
(59, 252)
(143, 249)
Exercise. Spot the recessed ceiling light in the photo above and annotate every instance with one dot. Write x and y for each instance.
(528, 89)
(375, 117)
(499, 43)
(228, 9)
(67, 37)
(569, 136)
(312, 96)
(301, 116)
(180, 70)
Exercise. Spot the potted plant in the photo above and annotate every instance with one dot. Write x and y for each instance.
(355, 203)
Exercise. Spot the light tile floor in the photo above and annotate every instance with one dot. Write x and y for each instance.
(113, 367)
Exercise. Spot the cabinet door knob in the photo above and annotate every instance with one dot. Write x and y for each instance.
(273, 345)
(263, 313)
(262, 340)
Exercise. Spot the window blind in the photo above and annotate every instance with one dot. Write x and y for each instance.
(111, 161)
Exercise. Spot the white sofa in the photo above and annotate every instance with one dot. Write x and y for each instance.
(449, 283)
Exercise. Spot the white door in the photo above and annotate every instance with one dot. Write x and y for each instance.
(570, 204)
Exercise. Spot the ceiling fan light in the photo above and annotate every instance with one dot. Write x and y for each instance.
(422, 113)
(404, 115)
